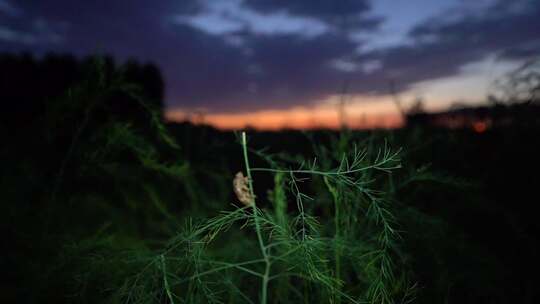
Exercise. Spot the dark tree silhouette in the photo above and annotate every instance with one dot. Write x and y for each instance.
(30, 88)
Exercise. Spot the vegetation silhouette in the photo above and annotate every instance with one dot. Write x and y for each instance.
(515, 100)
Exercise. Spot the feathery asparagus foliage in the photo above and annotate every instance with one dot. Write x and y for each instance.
(292, 252)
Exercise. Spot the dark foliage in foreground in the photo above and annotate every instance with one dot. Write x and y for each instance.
(92, 195)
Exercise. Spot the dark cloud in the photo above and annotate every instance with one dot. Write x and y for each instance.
(282, 70)
(335, 12)
(92, 25)
(344, 14)
(507, 24)
(268, 70)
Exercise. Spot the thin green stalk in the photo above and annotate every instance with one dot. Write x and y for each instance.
(337, 236)
(266, 275)
(225, 267)
(165, 280)
(378, 165)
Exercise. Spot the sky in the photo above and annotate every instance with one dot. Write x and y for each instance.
(274, 64)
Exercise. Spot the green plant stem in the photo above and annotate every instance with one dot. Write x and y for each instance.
(225, 267)
(266, 275)
(337, 236)
(165, 280)
(378, 166)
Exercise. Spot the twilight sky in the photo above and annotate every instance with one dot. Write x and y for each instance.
(285, 63)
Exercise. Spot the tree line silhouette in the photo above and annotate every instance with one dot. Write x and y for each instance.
(31, 87)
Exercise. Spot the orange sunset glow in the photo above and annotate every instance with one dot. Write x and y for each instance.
(288, 119)
(358, 114)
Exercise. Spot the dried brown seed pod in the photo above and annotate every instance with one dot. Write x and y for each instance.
(241, 189)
